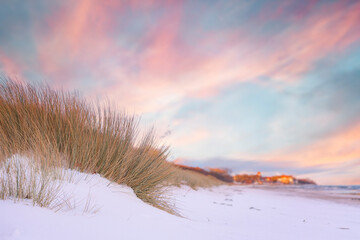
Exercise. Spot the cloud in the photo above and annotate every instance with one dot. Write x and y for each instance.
(108, 48)
(339, 148)
(291, 10)
(192, 137)
(342, 174)
(74, 39)
(170, 66)
(9, 67)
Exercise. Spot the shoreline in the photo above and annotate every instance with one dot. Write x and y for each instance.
(347, 198)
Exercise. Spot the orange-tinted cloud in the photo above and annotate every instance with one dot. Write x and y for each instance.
(337, 149)
(341, 147)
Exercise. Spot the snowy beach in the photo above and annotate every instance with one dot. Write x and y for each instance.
(180, 120)
(97, 210)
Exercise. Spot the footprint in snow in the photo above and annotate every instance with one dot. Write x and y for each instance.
(252, 208)
(223, 204)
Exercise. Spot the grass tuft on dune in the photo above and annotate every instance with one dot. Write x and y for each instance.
(61, 130)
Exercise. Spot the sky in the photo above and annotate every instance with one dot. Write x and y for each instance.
(270, 86)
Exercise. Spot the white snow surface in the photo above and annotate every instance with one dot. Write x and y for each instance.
(97, 210)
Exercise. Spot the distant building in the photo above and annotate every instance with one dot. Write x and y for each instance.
(285, 179)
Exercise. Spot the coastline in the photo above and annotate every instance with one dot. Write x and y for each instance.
(345, 197)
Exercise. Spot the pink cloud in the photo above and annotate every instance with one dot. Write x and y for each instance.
(285, 11)
(78, 37)
(10, 67)
(296, 52)
(330, 32)
(160, 54)
(169, 68)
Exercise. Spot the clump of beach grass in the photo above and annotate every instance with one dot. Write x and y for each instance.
(67, 131)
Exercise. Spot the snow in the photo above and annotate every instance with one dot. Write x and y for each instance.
(98, 209)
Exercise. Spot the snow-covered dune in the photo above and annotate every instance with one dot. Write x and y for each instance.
(96, 210)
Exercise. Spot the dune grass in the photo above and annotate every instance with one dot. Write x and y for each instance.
(67, 131)
(62, 130)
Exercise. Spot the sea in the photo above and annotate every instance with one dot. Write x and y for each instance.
(346, 189)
